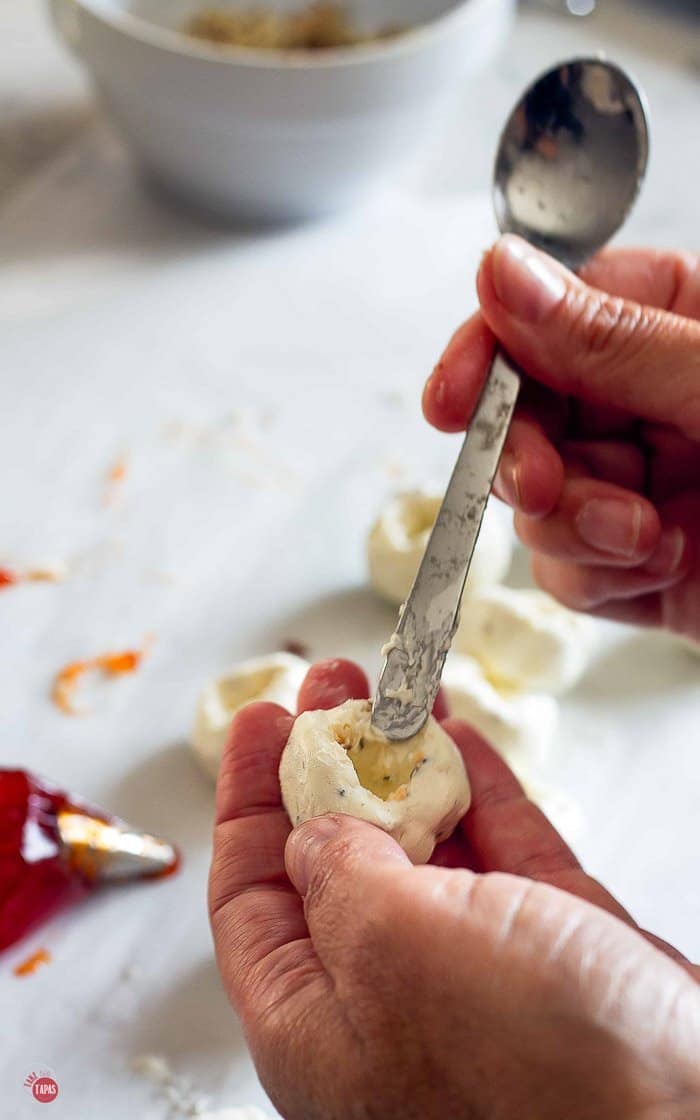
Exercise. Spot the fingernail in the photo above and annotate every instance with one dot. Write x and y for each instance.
(304, 847)
(509, 479)
(611, 525)
(436, 385)
(527, 283)
(668, 554)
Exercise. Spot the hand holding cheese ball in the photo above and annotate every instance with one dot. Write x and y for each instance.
(602, 463)
(505, 982)
(334, 761)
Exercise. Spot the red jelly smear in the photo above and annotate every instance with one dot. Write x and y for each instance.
(37, 878)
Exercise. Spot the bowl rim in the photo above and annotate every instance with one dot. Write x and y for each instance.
(259, 58)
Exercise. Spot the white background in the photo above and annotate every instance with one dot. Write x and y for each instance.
(265, 392)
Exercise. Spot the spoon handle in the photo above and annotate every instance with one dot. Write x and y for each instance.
(416, 653)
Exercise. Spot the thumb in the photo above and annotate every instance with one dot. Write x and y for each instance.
(326, 849)
(346, 871)
(583, 342)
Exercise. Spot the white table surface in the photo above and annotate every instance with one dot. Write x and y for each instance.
(264, 391)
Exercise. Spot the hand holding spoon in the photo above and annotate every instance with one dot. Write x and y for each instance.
(569, 166)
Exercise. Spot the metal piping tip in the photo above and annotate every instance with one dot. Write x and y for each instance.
(105, 851)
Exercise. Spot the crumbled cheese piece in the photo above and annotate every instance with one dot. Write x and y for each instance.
(176, 1090)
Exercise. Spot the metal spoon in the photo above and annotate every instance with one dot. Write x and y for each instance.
(569, 166)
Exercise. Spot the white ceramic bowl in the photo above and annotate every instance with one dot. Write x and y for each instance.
(256, 134)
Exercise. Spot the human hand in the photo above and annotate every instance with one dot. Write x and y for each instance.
(602, 462)
(503, 983)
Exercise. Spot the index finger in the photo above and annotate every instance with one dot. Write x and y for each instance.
(531, 472)
(453, 388)
(257, 917)
(508, 833)
(330, 683)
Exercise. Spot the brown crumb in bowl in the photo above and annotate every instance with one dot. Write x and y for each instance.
(317, 27)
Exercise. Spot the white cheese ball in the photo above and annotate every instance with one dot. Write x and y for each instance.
(520, 726)
(397, 541)
(276, 678)
(525, 640)
(335, 762)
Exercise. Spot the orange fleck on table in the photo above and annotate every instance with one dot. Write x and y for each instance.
(117, 472)
(44, 575)
(32, 963)
(8, 578)
(112, 664)
(115, 477)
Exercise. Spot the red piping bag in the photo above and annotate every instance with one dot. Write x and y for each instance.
(55, 849)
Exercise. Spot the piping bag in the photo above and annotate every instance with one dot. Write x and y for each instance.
(55, 849)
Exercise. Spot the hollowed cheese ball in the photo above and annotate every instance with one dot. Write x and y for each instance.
(525, 640)
(334, 761)
(520, 726)
(276, 678)
(397, 541)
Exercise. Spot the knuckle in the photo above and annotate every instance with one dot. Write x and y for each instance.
(605, 326)
(583, 590)
(457, 889)
(685, 285)
(220, 891)
(528, 530)
(224, 872)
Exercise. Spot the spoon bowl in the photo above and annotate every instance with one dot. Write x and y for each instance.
(571, 159)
